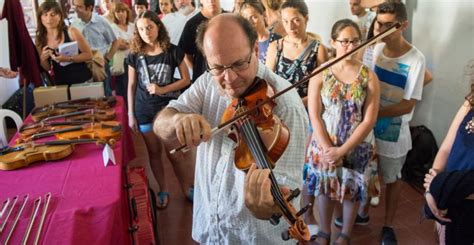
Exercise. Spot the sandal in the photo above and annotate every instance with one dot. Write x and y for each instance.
(163, 199)
(343, 236)
(321, 234)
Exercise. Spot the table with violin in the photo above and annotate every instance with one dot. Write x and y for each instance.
(54, 186)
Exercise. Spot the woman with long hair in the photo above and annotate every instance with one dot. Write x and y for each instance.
(254, 12)
(152, 61)
(297, 54)
(455, 157)
(50, 34)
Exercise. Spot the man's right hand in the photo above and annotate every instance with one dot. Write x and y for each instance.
(191, 129)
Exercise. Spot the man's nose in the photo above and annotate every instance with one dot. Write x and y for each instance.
(229, 75)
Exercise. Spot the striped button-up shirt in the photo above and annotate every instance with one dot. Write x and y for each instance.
(97, 32)
(220, 215)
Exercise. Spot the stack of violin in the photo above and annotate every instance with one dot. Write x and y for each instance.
(72, 122)
(11, 211)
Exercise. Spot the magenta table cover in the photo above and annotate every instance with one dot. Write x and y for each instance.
(88, 205)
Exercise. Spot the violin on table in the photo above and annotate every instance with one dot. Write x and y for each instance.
(23, 155)
(39, 113)
(107, 130)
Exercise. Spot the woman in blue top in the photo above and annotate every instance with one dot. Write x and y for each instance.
(151, 65)
(254, 12)
(456, 153)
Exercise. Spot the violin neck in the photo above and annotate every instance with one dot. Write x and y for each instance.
(256, 147)
(70, 142)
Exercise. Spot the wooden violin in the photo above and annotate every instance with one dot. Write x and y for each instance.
(23, 155)
(39, 113)
(107, 130)
(262, 138)
(27, 130)
(110, 131)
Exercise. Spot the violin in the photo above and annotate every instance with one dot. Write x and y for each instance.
(102, 131)
(262, 138)
(109, 131)
(23, 155)
(39, 113)
(27, 130)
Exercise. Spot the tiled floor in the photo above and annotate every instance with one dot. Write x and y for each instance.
(175, 222)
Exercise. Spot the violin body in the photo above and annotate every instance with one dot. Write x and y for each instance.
(273, 133)
(101, 131)
(23, 155)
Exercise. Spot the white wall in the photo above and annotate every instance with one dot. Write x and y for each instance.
(444, 31)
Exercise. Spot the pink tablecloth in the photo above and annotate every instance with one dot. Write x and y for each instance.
(88, 205)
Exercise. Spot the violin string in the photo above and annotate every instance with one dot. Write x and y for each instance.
(251, 137)
(258, 151)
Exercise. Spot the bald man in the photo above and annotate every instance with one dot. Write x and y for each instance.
(230, 206)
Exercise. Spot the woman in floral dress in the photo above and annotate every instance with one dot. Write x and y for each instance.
(342, 103)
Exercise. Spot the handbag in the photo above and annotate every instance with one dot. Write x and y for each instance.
(117, 67)
(97, 66)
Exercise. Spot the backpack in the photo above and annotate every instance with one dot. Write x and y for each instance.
(420, 158)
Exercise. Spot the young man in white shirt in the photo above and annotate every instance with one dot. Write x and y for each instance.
(400, 68)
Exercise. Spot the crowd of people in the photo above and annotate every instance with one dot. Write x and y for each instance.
(180, 68)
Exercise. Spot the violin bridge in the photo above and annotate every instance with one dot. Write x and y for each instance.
(14, 200)
(34, 213)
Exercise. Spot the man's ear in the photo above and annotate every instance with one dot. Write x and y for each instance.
(404, 25)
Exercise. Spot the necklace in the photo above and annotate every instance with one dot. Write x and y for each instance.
(470, 126)
(296, 44)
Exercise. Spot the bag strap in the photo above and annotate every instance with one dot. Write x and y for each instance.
(297, 62)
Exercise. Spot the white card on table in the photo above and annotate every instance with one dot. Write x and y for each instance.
(108, 156)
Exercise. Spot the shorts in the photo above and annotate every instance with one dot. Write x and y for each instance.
(391, 168)
(145, 128)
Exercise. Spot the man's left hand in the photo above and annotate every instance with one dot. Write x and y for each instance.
(258, 197)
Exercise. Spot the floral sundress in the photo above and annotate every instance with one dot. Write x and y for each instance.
(343, 112)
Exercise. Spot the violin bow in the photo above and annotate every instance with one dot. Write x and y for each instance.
(304, 80)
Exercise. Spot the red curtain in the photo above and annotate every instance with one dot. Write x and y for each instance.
(22, 50)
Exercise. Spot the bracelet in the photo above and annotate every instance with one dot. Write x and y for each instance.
(426, 192)
(71, 59)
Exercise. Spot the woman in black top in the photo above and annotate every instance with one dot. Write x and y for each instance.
(52, 32)
(151, 65)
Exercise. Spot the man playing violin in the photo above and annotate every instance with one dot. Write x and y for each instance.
(231, 206)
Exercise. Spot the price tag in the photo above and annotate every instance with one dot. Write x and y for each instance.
(108, 156)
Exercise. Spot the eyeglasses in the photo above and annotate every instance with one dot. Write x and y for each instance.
(345, 42)
(236, 67)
